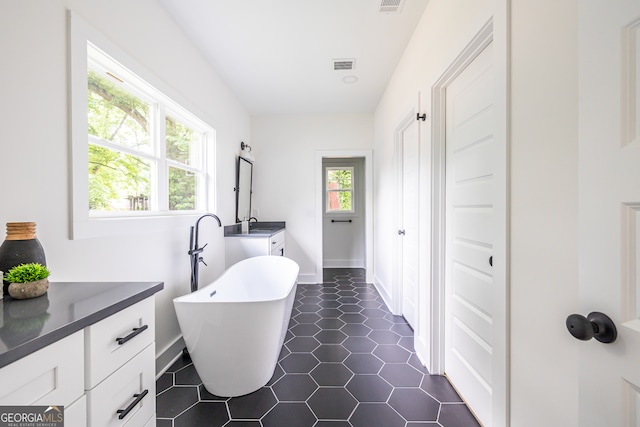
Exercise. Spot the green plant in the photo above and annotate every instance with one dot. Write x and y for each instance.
(25, 273)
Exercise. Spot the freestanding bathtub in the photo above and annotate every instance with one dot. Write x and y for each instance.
(234, 328)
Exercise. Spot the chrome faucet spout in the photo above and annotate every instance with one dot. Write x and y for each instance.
(195, 250)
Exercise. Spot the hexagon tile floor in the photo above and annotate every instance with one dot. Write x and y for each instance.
(346, 362)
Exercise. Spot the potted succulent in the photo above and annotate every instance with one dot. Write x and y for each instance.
(27, 280)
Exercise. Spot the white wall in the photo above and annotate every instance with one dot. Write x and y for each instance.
(285, 172)
(34, 147)
(543, 200)
(544, 203)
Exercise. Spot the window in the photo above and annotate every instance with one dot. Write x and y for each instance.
(142, 159)
(142, 155)
(339, 186)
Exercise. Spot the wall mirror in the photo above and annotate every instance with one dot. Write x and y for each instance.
(244, 176)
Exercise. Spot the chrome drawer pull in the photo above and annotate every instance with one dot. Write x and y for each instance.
(124, 412)
(135, 332)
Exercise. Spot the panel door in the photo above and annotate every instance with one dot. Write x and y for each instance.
(469, 296)
(410, 219)
(609, 201)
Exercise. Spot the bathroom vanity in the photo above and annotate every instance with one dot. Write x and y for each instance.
(263, 238)
(89, 347)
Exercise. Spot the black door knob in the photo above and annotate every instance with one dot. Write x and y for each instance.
(596, 325)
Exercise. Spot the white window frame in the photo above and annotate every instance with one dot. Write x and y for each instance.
(329, 191)
(84, 224)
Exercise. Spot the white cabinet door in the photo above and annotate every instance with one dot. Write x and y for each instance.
(609, 263)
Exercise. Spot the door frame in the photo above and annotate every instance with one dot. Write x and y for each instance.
(367, 154)
(495, 31)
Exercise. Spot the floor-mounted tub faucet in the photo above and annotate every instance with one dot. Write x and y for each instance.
(195, 251)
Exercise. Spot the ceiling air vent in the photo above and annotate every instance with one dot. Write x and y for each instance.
(343, 64)
(388, 6)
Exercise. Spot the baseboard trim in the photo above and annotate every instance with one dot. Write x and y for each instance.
(344, 263)
(306, 278)
(167, 357)
(383, 293)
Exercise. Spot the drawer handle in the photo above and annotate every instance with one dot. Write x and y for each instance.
(124, 412)
(135, 332)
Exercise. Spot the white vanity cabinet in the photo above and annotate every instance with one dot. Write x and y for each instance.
(120, 367)
(103, 374)
(240, 246)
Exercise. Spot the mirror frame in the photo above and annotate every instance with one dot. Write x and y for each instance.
(238, 188)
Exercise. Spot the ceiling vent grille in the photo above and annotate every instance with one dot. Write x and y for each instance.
(343, 64)
(389, 6)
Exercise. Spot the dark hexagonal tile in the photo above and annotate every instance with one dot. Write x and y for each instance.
(375, 414)
(414, 404)
(401, 375)
(206, 396)
(331, 353)
(330, 312)
(332, 403)
(310, 300)
(330, 336)
(356, 330)
(347, 293)
(368, 297)
(212, 414)
(299, 363)
(350, 308)
(359, 344)
(164, 382)
(378, 323)
(307, 318)
(407, 343)
(175, 400)
(330, 323)
(348, 300)
(439, 387)
(252, 406)
(331, 374)
(384, 337)
(300, 344)
(454, 415)
(308, 308)
(290, 414)
(329, 304)
(369, 388)
(243, 423)
(187, 376)
(371, 304)
(374, 313)
(363, 363)
(305, 330)
(294, 387)
(392, 353)
(416, 363)
(353, 318)
(402, 329)
(331, 423)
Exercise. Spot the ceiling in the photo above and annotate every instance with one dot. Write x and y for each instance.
(278, 56)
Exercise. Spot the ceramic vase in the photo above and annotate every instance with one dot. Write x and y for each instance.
(21, 246)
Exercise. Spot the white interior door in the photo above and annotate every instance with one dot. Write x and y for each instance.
(410, 218)
(470, 234)
(609, 263)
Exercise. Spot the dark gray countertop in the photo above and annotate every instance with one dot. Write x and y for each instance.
(67, 307)
(256, 229)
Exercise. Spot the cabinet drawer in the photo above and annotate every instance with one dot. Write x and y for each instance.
(49, 376)
(117, 392)
(277, 240)
(75, 415)
(113, 341)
